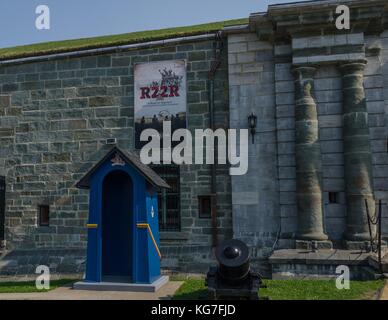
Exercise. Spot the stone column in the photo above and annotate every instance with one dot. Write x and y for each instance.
(308, 158)
(357, 152)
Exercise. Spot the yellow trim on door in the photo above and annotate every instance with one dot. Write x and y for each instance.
(92, 225)
(147, 226)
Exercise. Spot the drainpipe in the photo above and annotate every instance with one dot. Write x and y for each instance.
(218, 46)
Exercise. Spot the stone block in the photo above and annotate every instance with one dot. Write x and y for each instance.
(285, 98)
(285, 123)
(357, 245)
(326, 134)
(243, 79)
(332, 146)
(285, 136)
(246, 57)
(101, 101)
(252, 67)
(68, 64)
(91, 91)
(237, 47)
(6, 132)
(332, 159)
(284, 86)
(285, 111)
(313, 245)
(197, 55)
(375, 94)
(259, 46)
(287, 185)
(331, 108)
(355, 38)
(330, 121)
(118, 71)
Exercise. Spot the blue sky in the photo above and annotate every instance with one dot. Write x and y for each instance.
(72, 19)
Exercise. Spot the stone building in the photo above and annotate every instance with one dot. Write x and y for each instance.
(320, 149)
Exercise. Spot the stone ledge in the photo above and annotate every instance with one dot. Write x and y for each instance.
(320, 257)
(130, 287)
(362, 245)
(313, 245)
(174, 236)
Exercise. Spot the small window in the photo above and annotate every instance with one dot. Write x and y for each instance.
(333, 197)
(386, 144)
(2, 207)
(205, 207)
(169, 200)
(44, 215)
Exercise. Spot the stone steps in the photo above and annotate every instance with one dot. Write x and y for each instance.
(321, 264)
(371, 274)
(373, 262)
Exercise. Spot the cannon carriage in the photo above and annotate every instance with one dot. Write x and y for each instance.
(233, 278)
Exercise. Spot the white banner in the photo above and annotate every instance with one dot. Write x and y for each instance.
(160, 94)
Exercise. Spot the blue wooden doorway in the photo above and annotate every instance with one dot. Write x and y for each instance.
(117, 227)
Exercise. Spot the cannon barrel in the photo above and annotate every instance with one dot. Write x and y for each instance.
(233, 277)
(234, 260)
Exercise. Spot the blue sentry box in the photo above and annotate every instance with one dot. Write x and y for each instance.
(123, 236)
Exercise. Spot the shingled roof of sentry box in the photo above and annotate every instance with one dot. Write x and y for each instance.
(150, 175)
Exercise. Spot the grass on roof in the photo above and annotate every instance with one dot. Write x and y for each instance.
(114, 40)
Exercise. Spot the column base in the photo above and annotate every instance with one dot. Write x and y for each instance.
(313, 245)
(357, 237)
(316, 236)
(357, 245)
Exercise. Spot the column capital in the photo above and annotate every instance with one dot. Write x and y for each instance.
(303, 72)
(352, 67)
(304, 82)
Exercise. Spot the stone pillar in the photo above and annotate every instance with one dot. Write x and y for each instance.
(308, 158)
(357, 152)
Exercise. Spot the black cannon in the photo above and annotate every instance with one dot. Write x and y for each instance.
(233, 278)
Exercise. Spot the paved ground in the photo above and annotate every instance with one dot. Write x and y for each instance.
(384, 294)
(67, 293)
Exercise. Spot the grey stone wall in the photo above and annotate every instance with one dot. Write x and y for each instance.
(381, 151)
(255, 196)
(285, 130)
(54, 119)
(328, 91)
(328, 96)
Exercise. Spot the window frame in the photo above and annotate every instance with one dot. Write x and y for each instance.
(40, 208)
(167, 172)
(201, 215)
(2, 207)
(333, 197)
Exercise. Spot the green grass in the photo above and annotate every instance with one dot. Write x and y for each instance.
(29, 286)
(293, 290)
(113, 40)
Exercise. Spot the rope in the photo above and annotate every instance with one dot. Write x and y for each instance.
(373, 222)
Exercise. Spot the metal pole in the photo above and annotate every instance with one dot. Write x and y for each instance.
(216, 64)
(379, 231)
(213, 171)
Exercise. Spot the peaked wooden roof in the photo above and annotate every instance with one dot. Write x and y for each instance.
(150, 175)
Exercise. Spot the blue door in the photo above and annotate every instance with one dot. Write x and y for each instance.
(117, 220)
